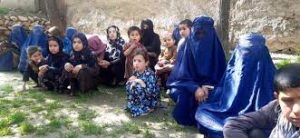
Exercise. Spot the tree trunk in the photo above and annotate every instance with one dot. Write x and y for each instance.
(56, 12)
(224, 13)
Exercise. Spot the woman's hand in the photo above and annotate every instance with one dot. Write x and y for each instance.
(201, 94)
(141, 82)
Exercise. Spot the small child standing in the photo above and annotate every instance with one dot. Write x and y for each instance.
(134, 34)
(81, 69)
(143, 93)
(166, 59)
(35, 60)
(55, 64)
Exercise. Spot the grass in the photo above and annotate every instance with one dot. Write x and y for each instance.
(87, 115)
(17, 118)
(6, 88)
(72, 134)
(26, 128)
(90, 128)
(4, 11)
(148, 134)
(4, 123)
(55, 124)
(54, 105)
(282, 63)
(5, 131)
(132, 128)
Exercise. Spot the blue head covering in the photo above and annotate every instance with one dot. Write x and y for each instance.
(70, 31)
(36, 37)
(246, 86)
(18, 36)
(201, 59)
(176, 34)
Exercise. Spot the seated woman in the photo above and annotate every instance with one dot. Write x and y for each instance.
(247, 85)
(200, 61)
(151, 41)
(17, 37)
(112, 66)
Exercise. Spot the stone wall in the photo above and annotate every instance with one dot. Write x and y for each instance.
(6, 22)
(277, 20)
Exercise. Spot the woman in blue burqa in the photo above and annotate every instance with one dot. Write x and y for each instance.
(36, 37)
(68, 44)
(200, 61)
(246, 86)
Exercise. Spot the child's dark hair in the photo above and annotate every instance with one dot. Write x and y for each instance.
(142, 52)
(134, 28)
(287, 77)
(187, 22)
(32, 49)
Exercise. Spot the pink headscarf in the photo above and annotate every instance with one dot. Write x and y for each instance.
(96, 46)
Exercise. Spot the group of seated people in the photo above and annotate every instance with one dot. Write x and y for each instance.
(223, 99)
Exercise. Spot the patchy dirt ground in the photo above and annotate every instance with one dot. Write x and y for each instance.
(38, 113)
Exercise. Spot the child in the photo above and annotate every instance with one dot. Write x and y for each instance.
(69, 32)
(142, 89)
(184, 30)
(167, 58)
(97, 47)
(81, 70)
(112, 67)
(134, 34)
(55, 64)
(35, 60)
(281, 116)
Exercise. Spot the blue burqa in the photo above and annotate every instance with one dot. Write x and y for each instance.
(36, 37)
(68, 45)
(17, 36)
(200, 61)
(246, 86)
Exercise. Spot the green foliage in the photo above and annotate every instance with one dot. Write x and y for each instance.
(17, 118)
(91, 129)
(3, 11)
(282, 63)
(26, 128)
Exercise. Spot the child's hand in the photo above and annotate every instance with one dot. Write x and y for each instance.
(43, 68)
(69, 67)
(132, 78)
(141, 82)
(41, 73)
(77, 69)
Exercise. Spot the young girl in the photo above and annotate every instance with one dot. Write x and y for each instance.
(134, 34)
(81, 70)
(55, 64)
(112, 66)
(167, 58)
(35, 60)
(142, 89)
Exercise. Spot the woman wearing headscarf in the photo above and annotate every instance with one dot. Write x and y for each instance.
(36, 37)
(112, 66)
(246, 86)
(200, 63)
(151, 41)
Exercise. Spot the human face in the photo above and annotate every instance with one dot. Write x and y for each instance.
(184, 30)
(135, 36)
(289, 102)
(77, 44)
(139, 63)
(36, 57)
(53, 47)
(112, 33)
(168, 41)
